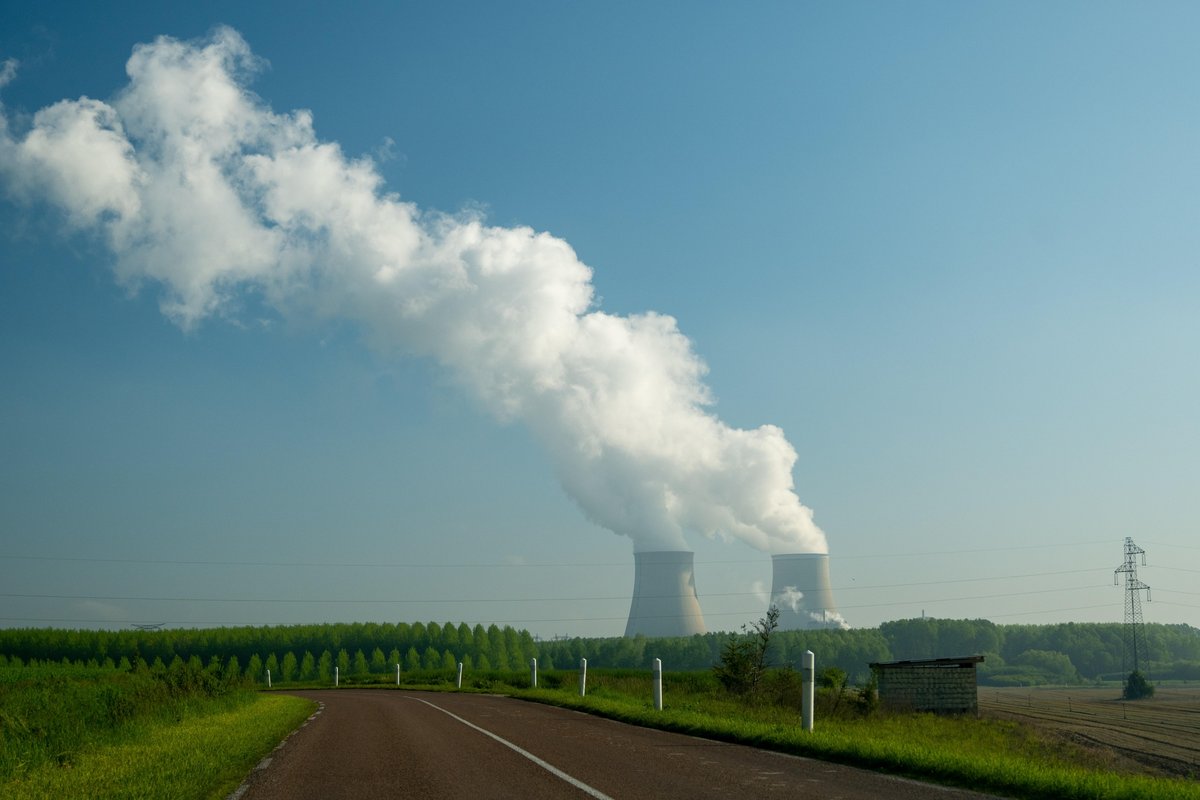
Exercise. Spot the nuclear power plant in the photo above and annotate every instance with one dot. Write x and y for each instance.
(665, 601)
(801, 591)
(664, 595)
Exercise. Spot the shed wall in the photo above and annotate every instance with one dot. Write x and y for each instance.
(941, 689)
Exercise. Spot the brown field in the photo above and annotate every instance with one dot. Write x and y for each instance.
(1160, 735)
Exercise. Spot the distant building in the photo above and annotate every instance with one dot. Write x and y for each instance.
(938, 685)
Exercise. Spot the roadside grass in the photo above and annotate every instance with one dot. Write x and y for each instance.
(986, 755)
(177, 731)
(204, 755)
(51, 712)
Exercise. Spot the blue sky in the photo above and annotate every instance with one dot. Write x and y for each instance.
(947, 248)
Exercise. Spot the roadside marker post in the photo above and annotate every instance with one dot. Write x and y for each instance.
(397, 674)
(458, 680)
(336, 676)
(583, 677)
(807, 677)
(268, 679)
(658, 704)
(533, 672)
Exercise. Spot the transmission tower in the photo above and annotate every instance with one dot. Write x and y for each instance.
(1135, 637)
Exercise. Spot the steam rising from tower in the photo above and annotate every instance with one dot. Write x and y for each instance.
(206, 194)
(800, 589)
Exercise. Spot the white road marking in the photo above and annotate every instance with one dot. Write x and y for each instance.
(553, 770)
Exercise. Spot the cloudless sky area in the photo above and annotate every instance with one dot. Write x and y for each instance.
(948, 248)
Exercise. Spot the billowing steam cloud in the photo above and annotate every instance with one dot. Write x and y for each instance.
(793, 599)
(201, 190)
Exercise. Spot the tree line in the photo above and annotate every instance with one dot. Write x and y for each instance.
(1014, 654)
(304, 652)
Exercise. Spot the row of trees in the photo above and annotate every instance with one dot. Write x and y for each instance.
(1066, 652)
(493, 646)
(289, 667)
(1063, 653)
(850, 650)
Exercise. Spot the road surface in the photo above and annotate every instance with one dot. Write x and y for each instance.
(368, 743)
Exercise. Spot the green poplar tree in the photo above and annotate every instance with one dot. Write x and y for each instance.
(449, 636)
(480, 639)
(288, 668)
(232, 674)
(432, 659)
(254, 669)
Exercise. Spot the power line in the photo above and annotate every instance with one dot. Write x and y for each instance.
(1052, 611)
(319, 564)
(504, 564)
(510, 622)
(621, 597)
(426, 601)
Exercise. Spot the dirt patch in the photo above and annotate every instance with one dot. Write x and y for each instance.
(1158, 736)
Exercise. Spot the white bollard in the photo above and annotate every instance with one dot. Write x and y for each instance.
(335, 675)
(583, 677)
(397, 674)
(458, 681)
(807, 677)
(658, 684)
(268, 679)
(533, 672)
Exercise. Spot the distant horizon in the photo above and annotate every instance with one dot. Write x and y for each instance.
(164, 627)
(516, 624)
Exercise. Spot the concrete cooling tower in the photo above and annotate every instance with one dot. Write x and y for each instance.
(664, 595)
(800, 590)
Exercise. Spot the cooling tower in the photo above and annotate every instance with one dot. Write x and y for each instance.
(664, 595)
(800, 590)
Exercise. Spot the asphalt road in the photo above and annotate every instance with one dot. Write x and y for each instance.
(396, 744)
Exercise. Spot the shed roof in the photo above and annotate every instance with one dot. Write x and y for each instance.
(962, 661)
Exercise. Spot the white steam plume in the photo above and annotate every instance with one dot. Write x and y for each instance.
(792, 598)
(200, 189)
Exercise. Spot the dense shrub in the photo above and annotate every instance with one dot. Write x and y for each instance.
(49, 712)
(1137, 687)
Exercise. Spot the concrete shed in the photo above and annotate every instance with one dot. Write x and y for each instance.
(939, 685)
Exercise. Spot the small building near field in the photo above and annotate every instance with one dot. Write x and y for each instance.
(938, 685)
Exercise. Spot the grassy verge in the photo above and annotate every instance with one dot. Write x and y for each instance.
(204, 755)
(982, 754)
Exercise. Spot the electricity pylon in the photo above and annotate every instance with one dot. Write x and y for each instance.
(1135, 637)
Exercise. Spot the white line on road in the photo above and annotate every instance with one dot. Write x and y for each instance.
(558, 773)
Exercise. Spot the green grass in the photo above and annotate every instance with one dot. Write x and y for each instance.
(983, 754)
(48, 713)
(169, 732)
(203, 755)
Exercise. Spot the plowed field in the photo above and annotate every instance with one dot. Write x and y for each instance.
(1159, 735)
